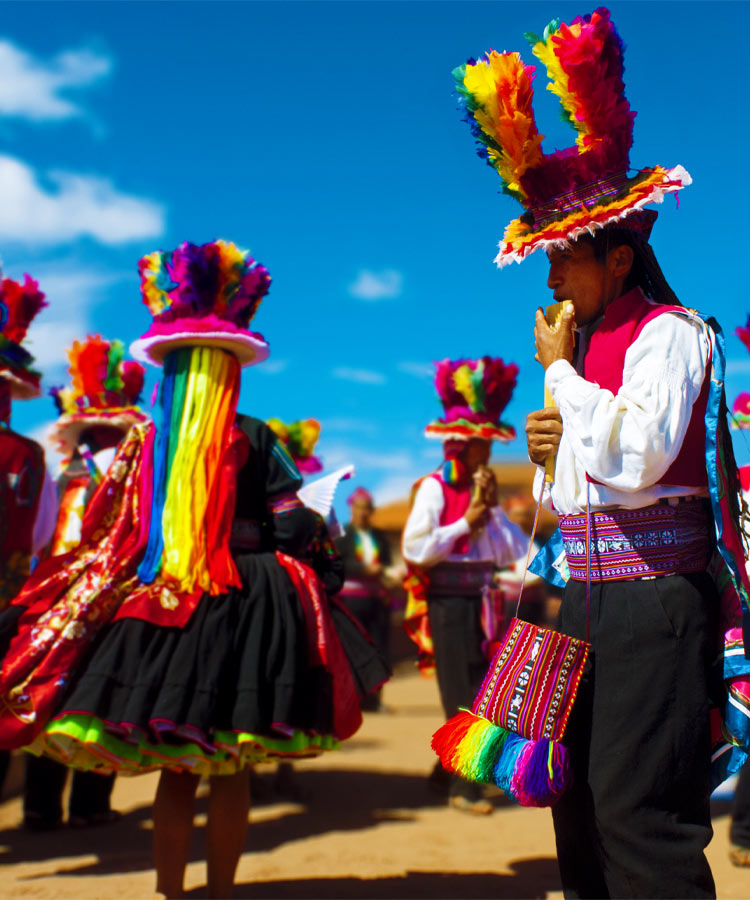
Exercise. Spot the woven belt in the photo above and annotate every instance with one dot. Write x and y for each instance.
(459, 578)
(362, 587)
(640, 543)
(245, 535)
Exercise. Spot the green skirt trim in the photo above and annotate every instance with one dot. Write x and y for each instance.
(83, 742)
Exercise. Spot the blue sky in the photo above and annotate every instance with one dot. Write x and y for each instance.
(325, 138)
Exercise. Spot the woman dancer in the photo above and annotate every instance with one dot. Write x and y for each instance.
(191, 638)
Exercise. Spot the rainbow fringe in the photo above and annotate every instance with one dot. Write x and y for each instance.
(198, 399)
(533, 773)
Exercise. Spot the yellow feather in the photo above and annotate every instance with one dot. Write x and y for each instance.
(463, 384)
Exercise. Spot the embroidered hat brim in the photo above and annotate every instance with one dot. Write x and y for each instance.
(24, 384)
(463, 430)
(561, 227)
(65, 433)
(163, 337)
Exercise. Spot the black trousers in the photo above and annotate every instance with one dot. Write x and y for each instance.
(739, 831)
(45, 782)
(460, 665)
(637, 819)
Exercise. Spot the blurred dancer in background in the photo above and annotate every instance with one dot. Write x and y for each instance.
(456, 538)
(95, 413)
(28, 500)
(366, 556)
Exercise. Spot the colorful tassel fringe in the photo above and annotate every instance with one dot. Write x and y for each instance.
(533, 773)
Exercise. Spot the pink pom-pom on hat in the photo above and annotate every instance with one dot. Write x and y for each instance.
(202, 295)
(360, 494)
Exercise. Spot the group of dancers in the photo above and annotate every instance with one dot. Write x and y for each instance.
(187, 621)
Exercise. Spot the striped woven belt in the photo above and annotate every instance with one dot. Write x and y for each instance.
(361, 587)
(454, 579)
(640, 543)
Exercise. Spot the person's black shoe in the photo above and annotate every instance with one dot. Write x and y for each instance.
(34, 821)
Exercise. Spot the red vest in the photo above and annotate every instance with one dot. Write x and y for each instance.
(623, 321)
(21, 479)
(457, 498)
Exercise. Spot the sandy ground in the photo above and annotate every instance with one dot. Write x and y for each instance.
(368, 828)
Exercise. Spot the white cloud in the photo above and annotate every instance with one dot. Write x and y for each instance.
(418, 369)
(32, 89)
(361, 376)
(335, 455)
(76, 206)
(393, 487)
(71, 292)
(383, 285)
(273, 366)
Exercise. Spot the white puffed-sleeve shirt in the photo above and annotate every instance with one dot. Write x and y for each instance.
(426, 542)
(627, 441)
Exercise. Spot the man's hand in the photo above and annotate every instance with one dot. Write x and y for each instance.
(543, 432)
(554, 343)
(476, 515)
(373, 568)
(485, 478)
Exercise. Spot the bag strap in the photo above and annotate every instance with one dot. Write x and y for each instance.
(588, 556)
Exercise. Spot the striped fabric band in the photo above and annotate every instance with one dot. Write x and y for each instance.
(284, 503)
(639, 543)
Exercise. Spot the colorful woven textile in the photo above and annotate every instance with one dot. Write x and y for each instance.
(512, 737)
(639, 543)
(533, 681)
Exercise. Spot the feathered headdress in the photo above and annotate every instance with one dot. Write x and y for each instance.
(202, 295)
(580, 188)
(474, 393)
(300, 439)
(19, 303)
(105, 390)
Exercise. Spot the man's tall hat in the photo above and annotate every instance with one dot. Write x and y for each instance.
(105, 390)
(581, 188)
(19, 303)
(474, 393)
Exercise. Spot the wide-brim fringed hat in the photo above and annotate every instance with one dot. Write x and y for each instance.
(299, 438)
(474, 393)
(105, 390)
(202, 295)
(581, 188)
(19, 303)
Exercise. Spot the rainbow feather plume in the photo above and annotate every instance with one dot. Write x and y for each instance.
(497, 95)
(195, 281)
(584, 63)
(299, 439)
(19, 303)
(101, 378)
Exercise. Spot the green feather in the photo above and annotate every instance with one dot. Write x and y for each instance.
(113, 381)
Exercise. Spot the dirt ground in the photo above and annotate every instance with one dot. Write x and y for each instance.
(366, 826)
